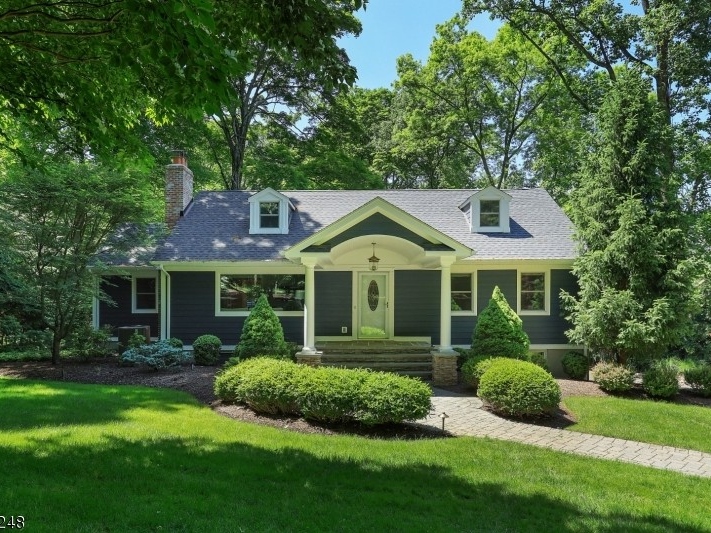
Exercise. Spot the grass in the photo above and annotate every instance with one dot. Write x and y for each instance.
(109, 458)
(683, 426)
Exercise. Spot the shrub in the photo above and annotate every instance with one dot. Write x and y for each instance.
(499, 330)
(206, 349)
(136, 340)
(575, 365)
(661, 380)
(699, 379)
(324, 394)
(612, 377)
(158, 356)
(175, 342)
(86, 342)
(518, 388)
(538, 359)
(475, 367)
(262, 333)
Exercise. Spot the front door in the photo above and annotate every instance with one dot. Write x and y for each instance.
(373, 305)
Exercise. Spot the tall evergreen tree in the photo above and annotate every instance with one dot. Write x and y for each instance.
(634, 271)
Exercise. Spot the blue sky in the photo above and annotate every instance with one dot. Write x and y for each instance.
(392, 28)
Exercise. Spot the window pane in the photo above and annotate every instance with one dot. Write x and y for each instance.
(461, 301)
(533, 292)
(145, 301)
(146, 285)
(269, 208)
(461, 282)
(285, 292)
(488, 213)
(269, 221)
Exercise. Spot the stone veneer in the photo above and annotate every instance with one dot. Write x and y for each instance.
(309, 359)
(444, 369)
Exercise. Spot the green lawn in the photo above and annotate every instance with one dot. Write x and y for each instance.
(684, 426)
(100, 458)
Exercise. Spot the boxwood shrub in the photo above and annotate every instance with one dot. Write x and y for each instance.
(206, 349)
(324, 394)
(699, 379)
(612, 377)
(518, 388)
(661, 380)
(475, 367)
(575, 365)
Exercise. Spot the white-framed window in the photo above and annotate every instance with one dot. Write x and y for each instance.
(489, 213)
(463, 294)
(269, 212)
(144, 294)
(268, 215)
(534, 292)
(236, 294)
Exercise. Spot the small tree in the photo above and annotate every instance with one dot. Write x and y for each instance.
(499, 330)
(262, 333)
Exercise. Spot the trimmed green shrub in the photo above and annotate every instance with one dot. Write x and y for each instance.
(158, 356)
(699, 379)
(612, 377)
(206, 350)
(661, 380)
(537, 359)
(175, 342)
(86, 342)
(325, 394)
(518, 388)
(262, 334)
(575, 365)
(475, 367)
(499, 330)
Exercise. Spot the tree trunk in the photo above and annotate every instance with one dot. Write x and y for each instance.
(56, 344)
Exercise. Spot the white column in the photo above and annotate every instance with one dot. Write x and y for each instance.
(309, 309)
(445, 313)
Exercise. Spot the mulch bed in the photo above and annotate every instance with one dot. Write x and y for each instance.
(198, 381)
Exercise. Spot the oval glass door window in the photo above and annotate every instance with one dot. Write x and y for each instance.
(373, 295)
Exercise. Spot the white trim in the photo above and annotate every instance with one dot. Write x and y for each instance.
(394, 213)
(136, 311)
(269, 195)
(547, 285)
(490, 193)
(245, 312)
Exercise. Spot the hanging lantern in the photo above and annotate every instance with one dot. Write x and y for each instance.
(373, 260)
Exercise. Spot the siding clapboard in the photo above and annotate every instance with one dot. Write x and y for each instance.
(333, 301)
(417, 295)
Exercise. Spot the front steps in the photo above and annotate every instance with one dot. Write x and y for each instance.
(405, 358)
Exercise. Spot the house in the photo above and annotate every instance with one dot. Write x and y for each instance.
(375, 265)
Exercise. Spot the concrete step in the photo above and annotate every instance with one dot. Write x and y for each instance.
(367, 358)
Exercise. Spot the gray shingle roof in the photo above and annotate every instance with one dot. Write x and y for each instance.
(132, 245)
(216, 226)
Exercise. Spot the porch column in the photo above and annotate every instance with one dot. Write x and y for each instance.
(309, 307)
(445, 313)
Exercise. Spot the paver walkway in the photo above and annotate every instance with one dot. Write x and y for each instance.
(466, 417)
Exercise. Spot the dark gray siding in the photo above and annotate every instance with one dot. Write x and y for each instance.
(488, 279)
(417, 294)
(118, 288)
(551, 329)
(334, 295)
(462, 329)
(193, 312)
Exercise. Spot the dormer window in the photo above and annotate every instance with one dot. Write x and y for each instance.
(269, 212)
(487, 211)
(268, 215)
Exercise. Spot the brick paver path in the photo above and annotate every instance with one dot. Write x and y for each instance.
(466, 417)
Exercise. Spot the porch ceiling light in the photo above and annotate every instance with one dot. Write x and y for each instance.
(373, 260)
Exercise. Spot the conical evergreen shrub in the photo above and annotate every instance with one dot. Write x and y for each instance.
(499, 330)
(262, 333)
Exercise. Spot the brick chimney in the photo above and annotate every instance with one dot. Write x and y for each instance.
(178, 187)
